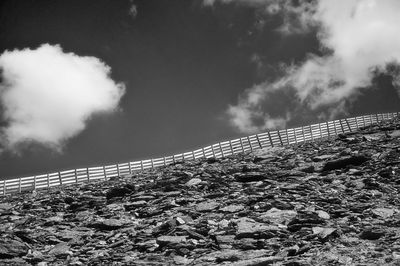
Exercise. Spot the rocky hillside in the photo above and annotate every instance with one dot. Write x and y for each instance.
(329, 202)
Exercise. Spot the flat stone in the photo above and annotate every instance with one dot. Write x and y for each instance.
(372, 233)
(193, 182)
(61, 250)
(323, 214)
(270, 260)
(247, 227)
(10, 248)
(167, 240)
(344, 162)
(232, 208)
(277, 216)
(323, 232)
(107, 224)
(383, 212)
(207, 206)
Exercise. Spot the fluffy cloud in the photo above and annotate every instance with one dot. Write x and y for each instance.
(357, 37)
(47, 95)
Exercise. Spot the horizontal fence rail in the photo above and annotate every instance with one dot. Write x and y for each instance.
(268, 139)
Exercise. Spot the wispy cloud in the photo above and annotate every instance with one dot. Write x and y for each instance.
(132, 9)
(48, 95)
(357, 37)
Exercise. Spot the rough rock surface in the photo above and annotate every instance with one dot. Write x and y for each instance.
(329, 202)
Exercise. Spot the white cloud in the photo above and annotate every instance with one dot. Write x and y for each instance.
(47, 95)
(296, 15)
(133, 9)
(356, 36)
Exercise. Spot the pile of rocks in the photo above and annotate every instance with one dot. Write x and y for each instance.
(328, 202)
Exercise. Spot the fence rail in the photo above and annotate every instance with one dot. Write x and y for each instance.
(268, 139)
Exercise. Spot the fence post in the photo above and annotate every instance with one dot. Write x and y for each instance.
(129, 166)
(251, 147)
(230, 146)
(141, 164)
(341, 125)
(348, 124)
(258, 140)
(270, 139)
(287, 137)
(152, 164)
(87, 173)
(76, 176)
(280, 138)
(213, 152)
(48, 181)
(104, 172)
(19, 185)
(194, 157)
(304, 136)
(5, 187)
(295, 135)
(220, 147)
(59, 177)
(165, 161)
(204, 153)
(241, 144)
(34, 182)
(327, 126)
(363, 118)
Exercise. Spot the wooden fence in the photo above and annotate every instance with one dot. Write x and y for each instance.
(249, 143)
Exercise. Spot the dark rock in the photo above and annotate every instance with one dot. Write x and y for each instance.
(372, 233)
(344, 162)
(118, 192)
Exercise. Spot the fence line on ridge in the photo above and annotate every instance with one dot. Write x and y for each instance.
(249, 143)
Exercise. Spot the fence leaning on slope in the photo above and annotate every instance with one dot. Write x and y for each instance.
(249, 143)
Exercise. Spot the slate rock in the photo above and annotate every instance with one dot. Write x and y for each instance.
(344, 162)
(372, 233)
(277, 216)
(167, 240)
(10, 248)
(61, 250)
(247, 227)
(117, 192)
(207, 206)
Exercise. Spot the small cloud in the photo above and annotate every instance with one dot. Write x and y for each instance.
(133, 10)
(47, 96)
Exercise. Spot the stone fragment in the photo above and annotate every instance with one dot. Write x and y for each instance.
(277, 216)
(372, 233)
(344, 162)
(193, 182)
(207, 206)
(250, 176)
(323, 214)
(107, 224)
(10, 248)
(180, 260)
(270, 260)
(232, 208)
(383, 212)
(167, 240)
(61, 250)
(117, 192)
(323, 232)
(247, 227)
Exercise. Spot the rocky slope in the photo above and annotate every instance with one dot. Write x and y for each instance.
(329, 202)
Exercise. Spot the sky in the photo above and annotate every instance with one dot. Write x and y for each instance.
(86, 83)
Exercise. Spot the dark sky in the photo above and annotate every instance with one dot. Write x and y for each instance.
(182, 64)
